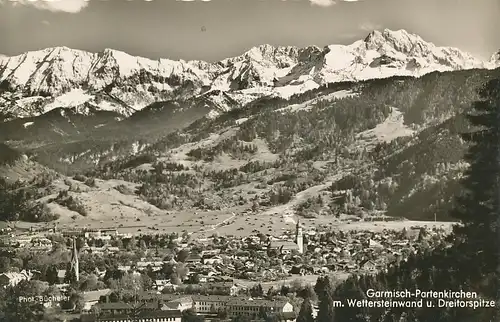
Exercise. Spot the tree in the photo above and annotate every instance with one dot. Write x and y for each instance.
(51, 275)
(305, 313)
(324, 291)
(5, 264)
(89, 283)
(181, 270)
(182, 255)
(190, 315)
(70, 276)
(194, 278)
(257, 291)
(13, 308)
(174, 279)
(477, 207)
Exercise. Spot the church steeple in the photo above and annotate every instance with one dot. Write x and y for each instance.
(74, 260)
(299, 238)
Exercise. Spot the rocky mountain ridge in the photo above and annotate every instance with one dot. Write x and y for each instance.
(36, 82)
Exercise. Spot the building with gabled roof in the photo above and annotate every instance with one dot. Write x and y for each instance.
(254, 308)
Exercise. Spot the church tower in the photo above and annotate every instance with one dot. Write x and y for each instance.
(299, 238)
(74, 260)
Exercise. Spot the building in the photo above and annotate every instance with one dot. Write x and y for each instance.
(155, 265)
(284, 246)
(209, 304)
(255, 308)
(74, 261)
(287, 247)
(42, 244)
(14, 278)
(122, 308)
(180, 304)
(161, 284)
(299, 237)
(76, 233)
(368, 265)
(143, 316)
(92, 298)
(212, 260)
(193, 259)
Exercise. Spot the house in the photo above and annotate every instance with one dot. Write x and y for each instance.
(368, 265)
(91, 298)
(156, 265)
(180, 304)
(41, 244)
(193, 259)
(283, 246)
(61, 273)
(210, 252)
(124, 268)
(254, 308)
(233, 291)
(212, 260)
(161, 284)
(22, 241)
(13, 278)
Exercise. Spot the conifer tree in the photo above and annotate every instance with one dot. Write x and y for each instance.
(478, 206)
(324, 290)
(305, 313)
(70, 276)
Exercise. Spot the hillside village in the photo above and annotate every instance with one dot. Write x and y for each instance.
(220, 272)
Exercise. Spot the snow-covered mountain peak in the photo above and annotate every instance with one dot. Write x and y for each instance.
(115, 80)
(495, 59)
(280, 56)
(401, 41)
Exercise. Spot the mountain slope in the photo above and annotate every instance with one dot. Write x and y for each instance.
(343, 152)
(36, 82)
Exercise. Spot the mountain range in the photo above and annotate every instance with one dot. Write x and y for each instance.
(343, 133)
(37, 82)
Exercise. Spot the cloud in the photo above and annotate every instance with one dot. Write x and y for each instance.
(323, 3)
(369, 26)
(69, 6)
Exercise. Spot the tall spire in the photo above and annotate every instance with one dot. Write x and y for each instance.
(74, 260)
(298, 237)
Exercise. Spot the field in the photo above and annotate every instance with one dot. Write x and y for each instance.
(305, 279)
(236, 221)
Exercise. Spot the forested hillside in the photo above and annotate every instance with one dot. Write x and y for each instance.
(388, 146)
(471, 264)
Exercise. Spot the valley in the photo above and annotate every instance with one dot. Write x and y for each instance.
(269, 171)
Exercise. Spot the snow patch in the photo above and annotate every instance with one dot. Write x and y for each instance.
(308, 105)
(393, 127)
(72, 98)
(28, 124)
(289, 90)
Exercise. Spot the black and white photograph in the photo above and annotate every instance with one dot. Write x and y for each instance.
(249, 160)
